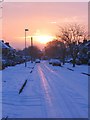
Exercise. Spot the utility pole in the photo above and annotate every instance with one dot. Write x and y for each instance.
(31, 49)
(25, 47)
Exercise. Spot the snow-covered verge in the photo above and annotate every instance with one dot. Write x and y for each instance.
(78, 68)
(12, 81)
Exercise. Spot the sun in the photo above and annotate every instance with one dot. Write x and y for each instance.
(44, 39)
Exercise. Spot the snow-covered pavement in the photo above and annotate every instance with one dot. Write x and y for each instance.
(50, 92)
(78, 68)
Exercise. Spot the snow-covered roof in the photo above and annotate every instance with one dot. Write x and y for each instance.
(11, 48)
(3, 45)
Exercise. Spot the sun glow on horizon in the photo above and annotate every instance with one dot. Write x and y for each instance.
(44, 38)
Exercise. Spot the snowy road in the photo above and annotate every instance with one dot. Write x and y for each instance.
(50, 92)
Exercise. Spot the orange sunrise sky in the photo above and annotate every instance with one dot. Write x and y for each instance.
(42, 20)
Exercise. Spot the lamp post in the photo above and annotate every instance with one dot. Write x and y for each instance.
(25, 47)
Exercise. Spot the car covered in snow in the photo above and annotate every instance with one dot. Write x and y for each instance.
(51, 61)
(55, 62)
(69, 60)
(37, 61)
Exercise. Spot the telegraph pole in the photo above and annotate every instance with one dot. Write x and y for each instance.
(31, 49)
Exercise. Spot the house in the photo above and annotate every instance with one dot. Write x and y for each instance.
(6, 50)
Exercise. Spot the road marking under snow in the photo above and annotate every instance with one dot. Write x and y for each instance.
(21, 89)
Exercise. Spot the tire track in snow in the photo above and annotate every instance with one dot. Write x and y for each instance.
(51, 71)
(63, 78)
(54, 107)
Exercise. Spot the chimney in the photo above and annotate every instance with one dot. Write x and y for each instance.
(7, 43)
(3, 41)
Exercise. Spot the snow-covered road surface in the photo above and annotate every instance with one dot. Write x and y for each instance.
(50, 92)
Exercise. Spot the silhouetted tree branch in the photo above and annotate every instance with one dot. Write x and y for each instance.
(72, 34)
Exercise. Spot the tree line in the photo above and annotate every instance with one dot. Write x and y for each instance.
(66, 44)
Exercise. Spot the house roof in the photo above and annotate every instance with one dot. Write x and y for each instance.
(3, 45)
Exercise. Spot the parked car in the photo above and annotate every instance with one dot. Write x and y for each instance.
(8, 63)
(69, 60)
(37, 61)
(56, 62)
(51, 61)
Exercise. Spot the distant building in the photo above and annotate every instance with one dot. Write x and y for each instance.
(6, 50)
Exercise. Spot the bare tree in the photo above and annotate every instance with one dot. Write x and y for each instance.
(72, 34)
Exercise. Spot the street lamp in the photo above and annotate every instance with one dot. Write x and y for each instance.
(31, 49)
(25, 46)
